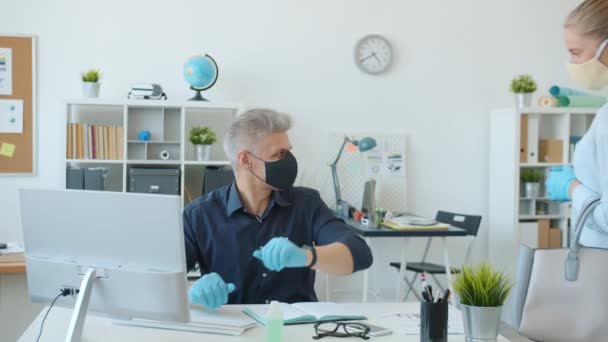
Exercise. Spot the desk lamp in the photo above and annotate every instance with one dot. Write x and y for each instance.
(364, 145)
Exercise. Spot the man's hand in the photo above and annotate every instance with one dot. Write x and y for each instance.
(280, 253)
(210, 291)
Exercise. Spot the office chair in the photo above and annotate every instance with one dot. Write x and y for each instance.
(215, 177)
(470, 223)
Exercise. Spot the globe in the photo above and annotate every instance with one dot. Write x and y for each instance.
(201, 73)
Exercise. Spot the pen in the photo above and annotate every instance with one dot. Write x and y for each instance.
(424, 291)
(438, 297)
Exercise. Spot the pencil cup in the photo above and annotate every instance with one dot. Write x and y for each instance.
(433, 322)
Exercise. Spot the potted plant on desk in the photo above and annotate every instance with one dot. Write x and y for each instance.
(482, 292)
(90, 83)
(202, 138)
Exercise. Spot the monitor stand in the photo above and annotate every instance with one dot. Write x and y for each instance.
(82, 304)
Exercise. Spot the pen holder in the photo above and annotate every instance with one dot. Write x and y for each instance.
(433, 322)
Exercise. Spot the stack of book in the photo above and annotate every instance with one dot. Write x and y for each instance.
(86, 141)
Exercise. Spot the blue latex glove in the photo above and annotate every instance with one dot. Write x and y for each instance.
(210, 291)
(280, 253)
(558, 183)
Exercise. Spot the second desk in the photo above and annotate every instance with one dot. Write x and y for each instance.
(368, 233)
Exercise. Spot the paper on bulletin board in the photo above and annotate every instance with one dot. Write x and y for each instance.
(7, 150)
(6, 71)
(387, 159)
(11, 116)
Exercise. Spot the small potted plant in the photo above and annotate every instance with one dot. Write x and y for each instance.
(482, 291)
(202, 138)
(523, 86)
(90, 83)
(531, 180)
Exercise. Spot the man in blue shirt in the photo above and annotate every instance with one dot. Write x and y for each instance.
(261, 239)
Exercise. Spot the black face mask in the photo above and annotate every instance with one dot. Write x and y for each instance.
(280, 174)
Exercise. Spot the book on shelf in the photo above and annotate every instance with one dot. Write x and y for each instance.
(93, 142)
(85, 138)
(113, 143)
(120, 142)
(74, 137)
(107, 145)
(69, 141)
(79, 147)
(99, 143)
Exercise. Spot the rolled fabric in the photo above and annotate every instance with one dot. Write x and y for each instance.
(565, 91)
(582, 101)
(548, 101)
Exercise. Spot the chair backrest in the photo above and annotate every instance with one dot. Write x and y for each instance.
(215, 178)
(470, 223)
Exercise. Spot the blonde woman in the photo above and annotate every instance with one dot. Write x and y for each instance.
(586, 35)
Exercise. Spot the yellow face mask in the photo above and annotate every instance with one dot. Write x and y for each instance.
(592, 74)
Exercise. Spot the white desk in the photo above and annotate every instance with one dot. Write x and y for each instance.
(102, 329)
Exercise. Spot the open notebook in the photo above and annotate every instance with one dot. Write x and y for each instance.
(304, 313)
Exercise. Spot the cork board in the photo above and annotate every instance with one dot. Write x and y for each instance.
(17, 150)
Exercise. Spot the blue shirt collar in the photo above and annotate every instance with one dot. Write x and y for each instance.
(234, 203)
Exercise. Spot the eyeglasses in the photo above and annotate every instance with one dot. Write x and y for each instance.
(331, 329)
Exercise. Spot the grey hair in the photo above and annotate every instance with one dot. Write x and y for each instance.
(252, 126)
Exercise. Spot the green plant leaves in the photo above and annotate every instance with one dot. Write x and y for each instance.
(91, 75)
(482, 286)
(523, 84)
(530, 175)
(202, 136)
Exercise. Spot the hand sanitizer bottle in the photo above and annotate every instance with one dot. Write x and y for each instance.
(274, 323)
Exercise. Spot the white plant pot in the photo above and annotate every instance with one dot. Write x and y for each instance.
(90, 89)
(201, 152)
(532, 190)
(523, 100)
(480, 323)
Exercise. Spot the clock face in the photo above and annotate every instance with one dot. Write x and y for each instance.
(373, 54)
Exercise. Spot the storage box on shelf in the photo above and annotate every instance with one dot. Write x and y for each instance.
(165, 145)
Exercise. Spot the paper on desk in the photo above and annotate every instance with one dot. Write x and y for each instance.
(409, 324)
(12, 248)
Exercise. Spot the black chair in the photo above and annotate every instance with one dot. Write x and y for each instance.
(215, 177)
(470, 223)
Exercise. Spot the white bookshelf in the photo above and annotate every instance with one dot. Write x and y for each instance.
(510, 210)
(169, 123)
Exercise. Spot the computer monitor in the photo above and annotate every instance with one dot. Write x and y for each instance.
(124, 252)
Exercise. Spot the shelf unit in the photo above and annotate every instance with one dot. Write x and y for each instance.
(510, 153)
(168, 123)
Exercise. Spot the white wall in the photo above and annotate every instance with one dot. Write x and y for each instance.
(454, 62)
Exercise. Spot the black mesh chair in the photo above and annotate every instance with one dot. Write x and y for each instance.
(215, 177)
(470, 223)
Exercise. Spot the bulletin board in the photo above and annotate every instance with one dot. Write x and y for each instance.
(386, 163)
(17, 105)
